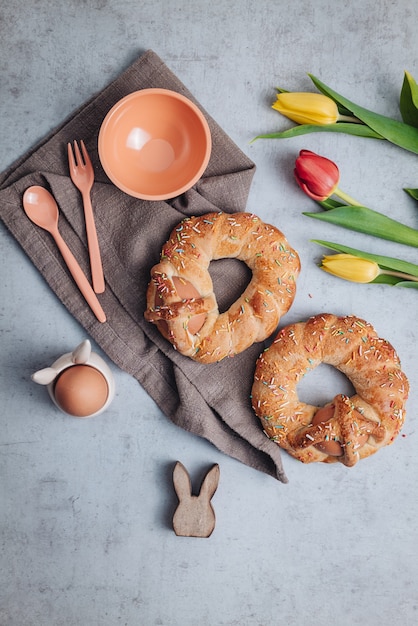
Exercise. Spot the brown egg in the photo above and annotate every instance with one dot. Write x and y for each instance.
(81, 390)
(332, 447)
(186, 291)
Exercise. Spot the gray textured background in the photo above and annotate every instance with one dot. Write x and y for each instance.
(86, 508)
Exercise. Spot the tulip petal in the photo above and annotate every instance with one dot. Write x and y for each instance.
(307, 108)
(408, 102)
(398, 133)
(364, 220)
(316, 175)
(350, 267)
(384, 262)
(360, 130)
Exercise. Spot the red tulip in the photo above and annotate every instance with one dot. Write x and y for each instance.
(316, 175)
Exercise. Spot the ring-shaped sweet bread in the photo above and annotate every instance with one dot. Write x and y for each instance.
(348, 428)
(181, 299)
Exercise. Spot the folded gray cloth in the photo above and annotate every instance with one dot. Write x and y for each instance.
(212, 401)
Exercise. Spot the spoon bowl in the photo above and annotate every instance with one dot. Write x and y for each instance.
(40, 207)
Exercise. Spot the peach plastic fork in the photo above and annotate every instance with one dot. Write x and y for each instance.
(82, 175)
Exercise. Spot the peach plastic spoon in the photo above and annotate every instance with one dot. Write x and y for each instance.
(42, 210)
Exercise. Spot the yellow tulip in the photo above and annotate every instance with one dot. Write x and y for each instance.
(307, 108)
(351, 267)
(362, 267)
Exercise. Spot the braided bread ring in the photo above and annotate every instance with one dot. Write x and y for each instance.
(348, 429)
(180, 296)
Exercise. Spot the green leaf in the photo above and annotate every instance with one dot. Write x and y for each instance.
(394, 281)
(408, 103)
(385, 262)
(304, 129)
(387, 279)
(364, 220)
(329, 203)
(412, 192)
(407, 283)
(398, 133)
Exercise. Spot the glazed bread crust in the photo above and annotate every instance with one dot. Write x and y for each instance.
(362, 424)
(186, 256)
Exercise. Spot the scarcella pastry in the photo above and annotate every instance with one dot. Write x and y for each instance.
(180, 297)
(347, 428)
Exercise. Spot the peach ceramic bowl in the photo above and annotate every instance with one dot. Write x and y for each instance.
(154, 144)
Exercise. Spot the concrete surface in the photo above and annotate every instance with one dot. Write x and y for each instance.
(86, 506)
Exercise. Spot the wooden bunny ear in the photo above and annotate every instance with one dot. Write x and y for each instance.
(182, 482)
(210, 483)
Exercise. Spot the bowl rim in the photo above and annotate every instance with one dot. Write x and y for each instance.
(143, 93)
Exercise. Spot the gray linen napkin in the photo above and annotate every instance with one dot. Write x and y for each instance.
(212, 401)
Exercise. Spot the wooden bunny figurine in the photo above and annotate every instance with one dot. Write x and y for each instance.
(194, 516)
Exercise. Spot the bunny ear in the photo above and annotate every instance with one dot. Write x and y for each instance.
(45, 376)
(81, 354)
(210, 483)
(182, 482)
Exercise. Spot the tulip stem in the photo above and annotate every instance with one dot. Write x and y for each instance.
(349, 118)
(400, 275)
(346, 198)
